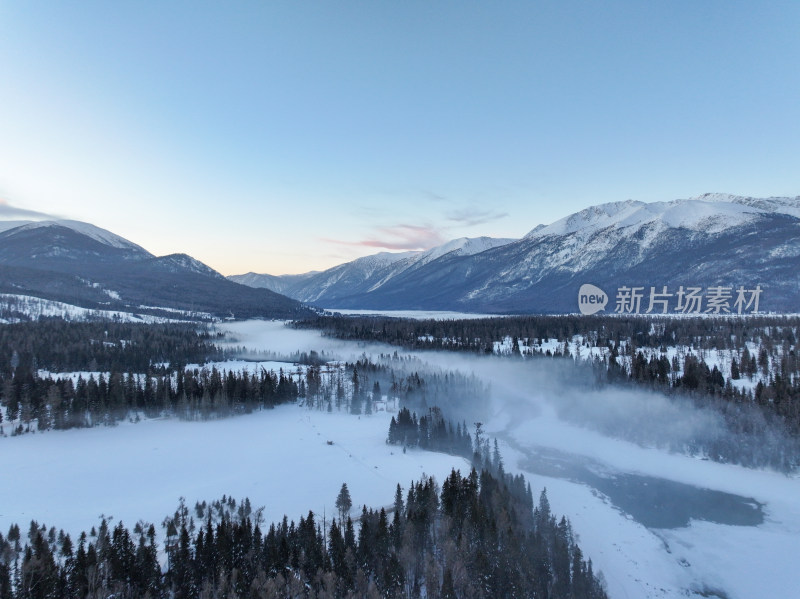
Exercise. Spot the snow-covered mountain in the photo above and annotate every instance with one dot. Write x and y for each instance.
(83, 265)
(710, 240)
(184, 262)
(279, 284)
(364, 275)
(5, 225)
(709, 213)
(88, 230)
(584, 239)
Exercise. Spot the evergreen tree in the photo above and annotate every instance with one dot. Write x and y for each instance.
(343, 502)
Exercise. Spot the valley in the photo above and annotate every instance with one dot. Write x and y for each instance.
(399, 300)
(654, 523)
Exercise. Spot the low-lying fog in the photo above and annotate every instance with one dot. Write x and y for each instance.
(655, 517)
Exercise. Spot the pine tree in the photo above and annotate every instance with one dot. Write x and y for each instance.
(343, 502)
(735, 374)
(448, 590)
(398, 500)
(5, 580)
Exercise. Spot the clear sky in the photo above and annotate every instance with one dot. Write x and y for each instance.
(288, 136)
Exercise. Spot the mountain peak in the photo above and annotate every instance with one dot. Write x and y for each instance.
(7, 225)
(594, 217)
(718, 197)
(463, 246)
(186, 262)
(93, 268)
(709, 212)
(96, 233)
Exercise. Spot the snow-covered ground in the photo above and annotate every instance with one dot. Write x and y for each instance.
(579, 349)
(278, 458)
(35, 307)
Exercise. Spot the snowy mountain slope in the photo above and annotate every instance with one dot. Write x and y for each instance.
(23, 308)
(51, 244)
(790, 206)
(711, 240)
(584, 240)
(367, 274)
(463, 246)
(88, 230)
(179, 262)
(709, 213)
(5, 225)
(279, 284)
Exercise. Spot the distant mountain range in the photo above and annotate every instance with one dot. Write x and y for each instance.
(362, 277)
(714, 240)
(710, 241)
(83, 265)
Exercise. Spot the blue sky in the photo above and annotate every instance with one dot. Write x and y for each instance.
(289, 136)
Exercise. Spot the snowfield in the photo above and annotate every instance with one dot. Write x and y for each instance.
(278, 458)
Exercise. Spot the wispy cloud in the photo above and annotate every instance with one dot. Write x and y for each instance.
(469, 217)
(399, 237)
(9, 212)
(433, 196)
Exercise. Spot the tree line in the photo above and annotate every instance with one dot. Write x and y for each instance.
(32, 402)
(478, 334)
(106, 399)
(60, 346)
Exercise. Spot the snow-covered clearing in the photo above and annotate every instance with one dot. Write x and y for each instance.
(278, 458)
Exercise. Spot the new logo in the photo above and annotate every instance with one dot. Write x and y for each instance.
(591, 299)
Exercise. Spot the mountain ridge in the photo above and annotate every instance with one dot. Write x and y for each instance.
(365, 274)
(83, 265)
(710, 240)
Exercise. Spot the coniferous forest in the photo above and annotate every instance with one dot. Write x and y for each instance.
(129, 371)
(474, 537)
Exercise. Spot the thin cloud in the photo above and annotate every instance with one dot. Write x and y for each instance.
(472, 216)
(9, 212)
(433, 196)
(399, 237)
